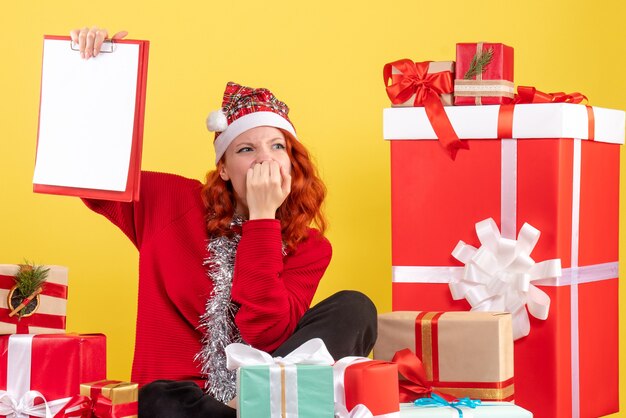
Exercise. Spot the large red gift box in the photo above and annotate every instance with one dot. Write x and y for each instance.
(54, 365)
(566, 188)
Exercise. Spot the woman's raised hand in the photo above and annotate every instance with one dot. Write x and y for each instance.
(90, 40)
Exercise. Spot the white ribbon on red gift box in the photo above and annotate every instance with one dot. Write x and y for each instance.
(18, 401)
(312, 352)
(498, 276)
(572, 276)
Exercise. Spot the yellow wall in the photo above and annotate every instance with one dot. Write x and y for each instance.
(325, 60)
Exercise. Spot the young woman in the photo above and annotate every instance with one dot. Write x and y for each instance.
(230, 260)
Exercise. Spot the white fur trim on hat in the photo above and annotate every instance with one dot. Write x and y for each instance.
(246, 122)
(216, 121)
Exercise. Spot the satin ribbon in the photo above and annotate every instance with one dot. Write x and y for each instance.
(415, 384)
(311, 352)
(104, 408)
(498, 276)
(437, 401)
(414, 79)
(283, 374)
(78, 406)
(24, 406)
(98, 406)
(528, 95)
(36, 320)
(359, 411)
(54, 290)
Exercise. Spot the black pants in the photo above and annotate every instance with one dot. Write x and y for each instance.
(346, 322)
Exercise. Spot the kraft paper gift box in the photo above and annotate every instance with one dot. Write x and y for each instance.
(484, 410)
(551, 176)
(53, 365)
(299, 384)
(363, 383)
(49, 314)
(492, 85)
(465, 354)
(433, 67)
(112, 398)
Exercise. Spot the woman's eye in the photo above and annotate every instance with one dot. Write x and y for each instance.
(244, 149)
(279, 146)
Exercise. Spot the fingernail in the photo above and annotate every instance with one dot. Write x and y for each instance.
(82, 55)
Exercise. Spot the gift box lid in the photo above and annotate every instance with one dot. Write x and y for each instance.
(538, 120)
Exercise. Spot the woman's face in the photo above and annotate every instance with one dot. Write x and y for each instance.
(254, 146)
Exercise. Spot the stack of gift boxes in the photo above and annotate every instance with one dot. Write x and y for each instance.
(45, 371)
(504, 202)
(504, 252)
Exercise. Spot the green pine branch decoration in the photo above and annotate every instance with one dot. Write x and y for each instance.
(30, 277)
(479, 64)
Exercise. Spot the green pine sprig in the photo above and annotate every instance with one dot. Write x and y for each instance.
(30, 277)
(479, 64)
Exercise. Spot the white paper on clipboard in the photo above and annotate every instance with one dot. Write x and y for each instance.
(87, 119)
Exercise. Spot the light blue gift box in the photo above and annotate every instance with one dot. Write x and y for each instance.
(484, 410)
(312, 385)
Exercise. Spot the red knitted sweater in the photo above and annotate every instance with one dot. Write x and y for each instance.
(168, 228)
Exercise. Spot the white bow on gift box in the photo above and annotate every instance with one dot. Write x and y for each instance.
(18, 401)
(498, 276)
(311, 352)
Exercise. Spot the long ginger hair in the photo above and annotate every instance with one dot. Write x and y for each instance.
(301, 209)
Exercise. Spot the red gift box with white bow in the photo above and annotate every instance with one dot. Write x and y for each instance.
(50, 368)
(557, 170)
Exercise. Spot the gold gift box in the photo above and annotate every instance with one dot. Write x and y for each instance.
(118, 392)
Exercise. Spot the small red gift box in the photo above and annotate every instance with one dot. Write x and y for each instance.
(566, 188)
(53, 365)
(484, 74)
(372, 383)
(49, 314)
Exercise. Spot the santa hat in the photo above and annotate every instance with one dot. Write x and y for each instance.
(244, 108)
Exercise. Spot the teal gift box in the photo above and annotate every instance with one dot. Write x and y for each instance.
(484, 410)
(283, 390)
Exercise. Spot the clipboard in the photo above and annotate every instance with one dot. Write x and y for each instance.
(91, 115)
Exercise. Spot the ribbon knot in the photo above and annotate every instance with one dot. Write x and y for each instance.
(414, 79)
(11, 407)
(498, 276)
(439, 402)
(415, 384)
(311, 352)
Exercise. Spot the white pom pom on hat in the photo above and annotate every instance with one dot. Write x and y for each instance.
(216, 121)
